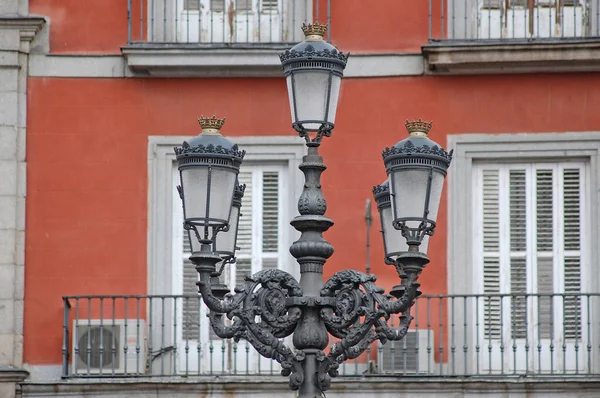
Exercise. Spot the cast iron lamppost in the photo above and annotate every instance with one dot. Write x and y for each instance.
(271, 304)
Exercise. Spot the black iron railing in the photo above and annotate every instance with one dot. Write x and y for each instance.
(228, 23)
(534, 335)
(513, 20)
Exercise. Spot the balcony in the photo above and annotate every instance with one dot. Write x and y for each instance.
(215, 37)
(513, 36)
(548, 339)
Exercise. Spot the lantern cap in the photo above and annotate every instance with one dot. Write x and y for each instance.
(211, 125)
(382, 193)
(314, 29)
(314, 48)
(210, 142)
(417, 144)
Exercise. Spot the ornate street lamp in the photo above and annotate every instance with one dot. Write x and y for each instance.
(208, 169)
(272, 305)
(416, 167)
(313, 71)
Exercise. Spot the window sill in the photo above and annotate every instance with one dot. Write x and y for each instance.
(165, 60)
(478, 57)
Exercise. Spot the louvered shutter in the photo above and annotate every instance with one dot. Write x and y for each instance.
(243, 265)
(491, 252)
(259, 236)
(269, 5)
(518, 245)
(571, 213)
(530, 243)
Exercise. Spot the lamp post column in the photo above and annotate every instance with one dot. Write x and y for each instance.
(311, 251)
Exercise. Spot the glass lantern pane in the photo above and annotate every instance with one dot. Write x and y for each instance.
(225, 241)
(310, 90)
(408, 189)
(194, 181)
(336, 82)
(291, 96)
(221, 194)
(393, 240)
(437, 184)
(194, 242)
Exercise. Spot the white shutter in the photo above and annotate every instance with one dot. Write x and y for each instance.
(530, 243)
(269, 5)
(571, 213)
(491, 249)
(259, 236)
(243, 265)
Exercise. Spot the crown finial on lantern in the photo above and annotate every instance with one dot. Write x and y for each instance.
(314, 29)
(418, 127)
(210, 125)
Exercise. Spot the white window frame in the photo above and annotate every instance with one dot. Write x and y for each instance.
(161, 160)
(517, 148)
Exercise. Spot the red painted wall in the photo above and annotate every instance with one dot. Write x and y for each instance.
(100, 26)
(87, 142)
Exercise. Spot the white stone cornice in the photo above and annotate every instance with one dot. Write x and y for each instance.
(28, 27)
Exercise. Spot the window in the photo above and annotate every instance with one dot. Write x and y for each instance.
(261, 245)
(233, 21)
(270, 171)
(523, 232)
(529, 246)
(521, 19)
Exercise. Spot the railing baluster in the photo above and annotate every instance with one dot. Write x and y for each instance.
(141, 39)
(429, 348)
(551, 334)
(174, 355)
(76, 339)
(477, 346)
(137, 336)
(89, 335)
(502, 334)
(441, 341)
(564, 334)
(113, 348)
(452, 345)
(417, 364)
(329, 20)
(162, 335)
(129, 21)
(187, 336)
(539, 333)
(150, 334)
(199, 342)
(126, 342)
(101, 348)
(588, 336)
(465, 332)
(65, 347)
(429, 19)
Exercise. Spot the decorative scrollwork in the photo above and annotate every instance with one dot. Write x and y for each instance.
(187, 149)
(263, 295)
(410, 149)
(360, 316)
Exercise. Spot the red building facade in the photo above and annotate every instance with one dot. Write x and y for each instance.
(514, 93)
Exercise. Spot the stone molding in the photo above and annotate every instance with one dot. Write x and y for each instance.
(456, 57)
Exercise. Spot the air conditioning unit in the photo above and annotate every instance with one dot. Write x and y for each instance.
(90, 335)
(409, 355)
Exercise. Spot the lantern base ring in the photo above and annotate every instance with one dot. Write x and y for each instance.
(414, 235)
(324, 131)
